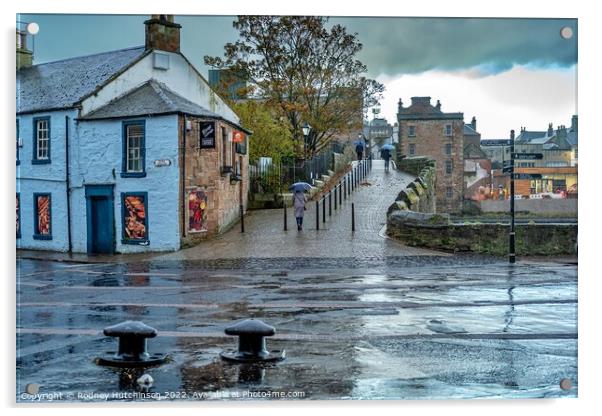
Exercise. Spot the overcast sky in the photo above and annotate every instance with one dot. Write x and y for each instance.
(507, 72)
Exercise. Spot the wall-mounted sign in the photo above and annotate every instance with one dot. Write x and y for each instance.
(207, 134)
(162, 162)
(238, 136)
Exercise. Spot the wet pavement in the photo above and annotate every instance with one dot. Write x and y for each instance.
(359, 315)
(264, 234)
(418, 331)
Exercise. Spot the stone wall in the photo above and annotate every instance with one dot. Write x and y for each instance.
(419, 195)
(203, 173)
(436, 232)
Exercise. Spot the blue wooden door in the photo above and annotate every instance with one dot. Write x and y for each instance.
(100, 224)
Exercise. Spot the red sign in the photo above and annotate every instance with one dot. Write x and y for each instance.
(238, 136)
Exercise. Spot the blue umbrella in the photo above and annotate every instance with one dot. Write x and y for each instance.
(388, 147)
(300, 187)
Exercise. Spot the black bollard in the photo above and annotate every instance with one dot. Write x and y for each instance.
(330, 203)
(340, 194)
(352, 216)
(242, 219)
(335, 198)
(284, 205)
(317, 215)
(345, 187)
(324, 208)
(131, 352)
(251, 342)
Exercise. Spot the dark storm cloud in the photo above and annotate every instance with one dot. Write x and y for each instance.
(392, 46)
(411, 45)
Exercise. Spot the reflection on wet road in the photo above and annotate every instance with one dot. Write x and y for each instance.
(422, 328)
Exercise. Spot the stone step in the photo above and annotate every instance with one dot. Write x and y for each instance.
(318, 184)
(325, 178)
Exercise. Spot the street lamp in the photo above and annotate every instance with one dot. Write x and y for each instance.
(306, 130)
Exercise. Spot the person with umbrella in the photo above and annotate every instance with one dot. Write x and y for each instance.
(385, 153)
(299, 200)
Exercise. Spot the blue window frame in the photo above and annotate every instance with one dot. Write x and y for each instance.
(18, 212)
(133, 159)
(41, 140)
(17, 143)
(134, 218)
(42, 216)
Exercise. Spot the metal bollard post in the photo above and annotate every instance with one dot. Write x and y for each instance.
(132, 351)
(284, 205)
(335, 198)
(317, 215)
(349, 185)
(242, 219)
(340, 194)
(345, 187)
(251, 343)
(330, 203)
(324, 208)
(352, 216)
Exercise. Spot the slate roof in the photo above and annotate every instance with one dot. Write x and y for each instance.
(63, 84)
(469, 131)
(528, 136)
(150, 98)
(572, 138)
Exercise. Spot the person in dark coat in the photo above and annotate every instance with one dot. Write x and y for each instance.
(299, 201)
(386, 155)
(359, 149)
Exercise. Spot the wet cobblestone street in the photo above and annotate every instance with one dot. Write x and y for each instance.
(360, 317)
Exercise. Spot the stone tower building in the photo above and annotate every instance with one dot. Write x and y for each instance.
(424, 130)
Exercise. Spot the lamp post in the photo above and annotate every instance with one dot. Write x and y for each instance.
(306, 130)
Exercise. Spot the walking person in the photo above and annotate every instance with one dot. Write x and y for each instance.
(359, 149)
(299, 201)
(386, 155)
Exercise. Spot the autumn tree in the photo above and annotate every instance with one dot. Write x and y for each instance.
(304, 70)
(271, 136)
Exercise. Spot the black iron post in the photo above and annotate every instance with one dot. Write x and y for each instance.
(317, 214)
(345, 187)
(330, 203)
(242, 219)
(324, 208)
(335, 198)
(352, 216)
(284, 205)
(352, 181)
(340, 194)
(512, 250)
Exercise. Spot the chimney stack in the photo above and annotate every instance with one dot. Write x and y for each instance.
(550, 130)
(574, 123)
(24, 55)
(162, 33)
(438, 105)
(473, 123)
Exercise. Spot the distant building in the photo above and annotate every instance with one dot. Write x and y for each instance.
(226, 80)
(557, 167)
(425, 130)
(377, 132)
(125, 151)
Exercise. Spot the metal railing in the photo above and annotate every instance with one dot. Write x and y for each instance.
(274, 178)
